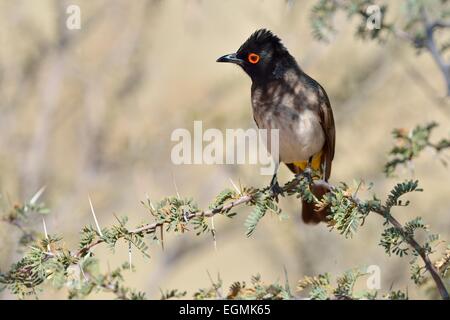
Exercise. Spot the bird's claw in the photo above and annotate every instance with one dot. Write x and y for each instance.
(306, 174)
(186, 215)
(276, 190)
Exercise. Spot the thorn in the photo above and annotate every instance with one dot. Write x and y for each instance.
(287, 286)
(129, 254)
(46, 233)
(162, 236)
(175, 186)
(45, 228)
(82, 272)
(215, 286)
(213, 231)
(357, 189)
(235, 187)
(209, 276)
(392, 285)
(95, 217)
(149, 201)
(37, 195)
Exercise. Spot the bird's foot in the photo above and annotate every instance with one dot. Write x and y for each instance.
(276, 190)
(306, 174)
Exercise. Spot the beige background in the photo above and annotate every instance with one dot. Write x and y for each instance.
(93, 115)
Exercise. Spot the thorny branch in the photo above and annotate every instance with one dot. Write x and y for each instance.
(290, 186)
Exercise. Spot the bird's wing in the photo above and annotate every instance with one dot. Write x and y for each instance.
(327, 122)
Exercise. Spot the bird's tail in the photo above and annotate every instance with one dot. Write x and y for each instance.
(310, 212)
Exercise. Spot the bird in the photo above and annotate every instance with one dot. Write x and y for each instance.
(284, 97)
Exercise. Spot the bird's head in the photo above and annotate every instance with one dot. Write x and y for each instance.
(263, 57)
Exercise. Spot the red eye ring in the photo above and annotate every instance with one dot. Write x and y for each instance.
(253, 58)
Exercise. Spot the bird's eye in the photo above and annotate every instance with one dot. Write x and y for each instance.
(253, 58)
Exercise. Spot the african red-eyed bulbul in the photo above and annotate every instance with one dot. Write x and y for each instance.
(286, 98)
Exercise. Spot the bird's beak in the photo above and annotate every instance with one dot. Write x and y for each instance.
(231, 58)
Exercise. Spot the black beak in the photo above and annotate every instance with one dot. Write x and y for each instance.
(231, 58)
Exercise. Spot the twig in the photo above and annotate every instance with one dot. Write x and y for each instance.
(413, 243)
(430, 44)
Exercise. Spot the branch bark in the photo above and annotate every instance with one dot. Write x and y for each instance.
(418, 248)
(431, 46)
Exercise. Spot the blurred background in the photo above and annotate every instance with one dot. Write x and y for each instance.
(90, 112)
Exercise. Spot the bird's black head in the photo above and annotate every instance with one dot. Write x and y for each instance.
(263, 57)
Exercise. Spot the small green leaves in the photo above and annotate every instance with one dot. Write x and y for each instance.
(20, 213)
(173, 212)
(409, 145)
(396, 241)
(346, 214)
(200, 225)
(417, 272)
(213, 292)
(172, 294)
(254, 217)
(222, 197)
(346, 283)
(323, 13)
(32, 270)
(138, 242)
(443, 264)
(262, 202)
(321, 19)
(399, 190)
(396, 295)
(87, 236)
(258, 290)
(92, 280)
(320, 286)
(393, 241)
(302, 188)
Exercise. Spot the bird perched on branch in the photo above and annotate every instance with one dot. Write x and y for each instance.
(286, 98)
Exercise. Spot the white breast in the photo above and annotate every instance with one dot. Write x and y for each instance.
(300, 132)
